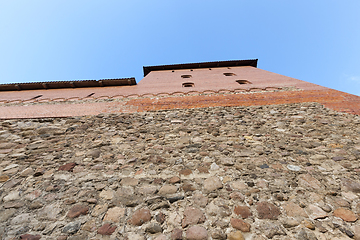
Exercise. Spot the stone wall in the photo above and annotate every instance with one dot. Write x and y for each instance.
(265, 172)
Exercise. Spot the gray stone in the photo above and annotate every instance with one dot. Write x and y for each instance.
(50, 212)
(21, 218)
(218, 234)
(153, 228)
(94, 153)
(72, 227)
(270, 230)
(14, 195)
(351, 185)
(78, 237)
(293, 168)
(305, 235)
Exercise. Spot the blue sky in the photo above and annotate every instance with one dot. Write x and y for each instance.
(316, 41)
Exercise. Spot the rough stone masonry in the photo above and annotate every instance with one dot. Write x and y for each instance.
(266, 172)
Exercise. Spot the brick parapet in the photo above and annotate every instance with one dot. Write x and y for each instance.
(330, 98)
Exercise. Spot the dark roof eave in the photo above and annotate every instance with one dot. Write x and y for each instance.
(68, 84)
(231, 63)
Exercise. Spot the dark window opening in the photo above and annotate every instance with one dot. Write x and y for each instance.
(229, 74)
(243, 82)
(186, 76)
(188, 84)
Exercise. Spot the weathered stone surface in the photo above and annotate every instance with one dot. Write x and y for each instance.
(33, 195)
(11, 183)
(140, 216)
(160, 218)
(72, 227)
(177, 234)
(200, 200)
(21, 218)
(212, 184)
(196, 233)
(134, 236)
(267, 211)
(14, 195)
(294, 210)
(239, 185)
(107, 194)
(78, 210)
(308, 181)
(289, 223)
(174, 219)
(98, 209)
(192, 216)
(153, 228)
(218, 234)
(235, 236)
(161, 237)
(351, 185)
(237, 196)
(30, 237)
(185, 172)
(305, 235)
(6, 214)
(356, 229)
(89, 226)
(168, 189)
(225, 162)
(94, 153)
(50, 212)
(316, 212)
(78, 237)
(308, 224)
(271, 230)
(14, 204)
(67, 167)
(243, 211)
(187, 187)
(174, 179)
(107, 229)
(114, 214)
(239, 224)
(4, 178)
(129, 181)
(345, 215)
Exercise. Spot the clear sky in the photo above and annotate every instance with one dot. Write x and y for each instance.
(313, 40)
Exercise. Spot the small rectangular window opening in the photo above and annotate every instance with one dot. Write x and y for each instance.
(229, 74)
(188, 84)
(243, 82)
(186, 76)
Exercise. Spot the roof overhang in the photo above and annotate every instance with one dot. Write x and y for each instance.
(231, 63)
(68, 84)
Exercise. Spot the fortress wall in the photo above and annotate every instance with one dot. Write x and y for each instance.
(287, 171)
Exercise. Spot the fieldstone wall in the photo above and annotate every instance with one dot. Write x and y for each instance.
(268, 172)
